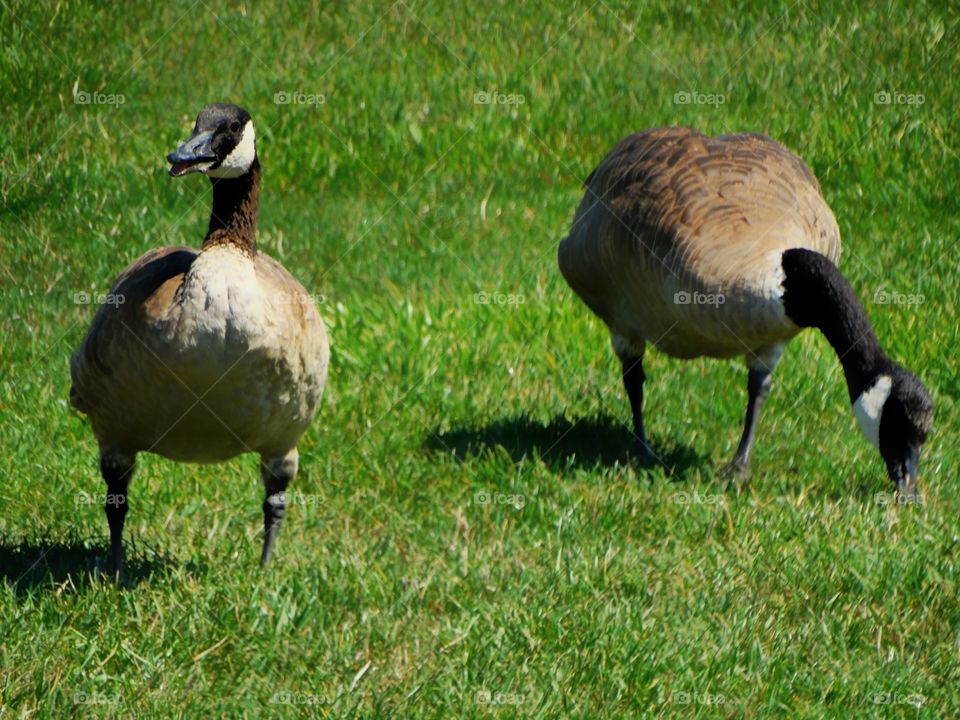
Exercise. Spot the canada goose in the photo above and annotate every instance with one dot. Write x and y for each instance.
(202, 355)
(724, 246)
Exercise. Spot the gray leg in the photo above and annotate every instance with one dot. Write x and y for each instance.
(276, 471)
(758, 386)
(633, 379)
(117, 469)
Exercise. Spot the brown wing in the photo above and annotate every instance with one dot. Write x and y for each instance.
(682, 192)
(685, 205)
(141, 293)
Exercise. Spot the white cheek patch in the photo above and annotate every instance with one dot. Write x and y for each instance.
(240, 159)
(868, 408)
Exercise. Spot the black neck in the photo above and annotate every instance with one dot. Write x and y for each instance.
(817, 295)
(233, 218)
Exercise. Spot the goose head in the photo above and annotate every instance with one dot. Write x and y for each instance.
(223, 144)
(896, 414)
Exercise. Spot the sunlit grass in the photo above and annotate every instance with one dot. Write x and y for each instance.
(471, 540)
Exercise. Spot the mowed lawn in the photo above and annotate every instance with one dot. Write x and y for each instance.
(467, 537)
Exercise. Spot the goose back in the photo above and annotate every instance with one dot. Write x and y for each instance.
(679, 237)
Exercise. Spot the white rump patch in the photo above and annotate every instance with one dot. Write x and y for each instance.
(772, 284)
(868, 408)
(240, 159)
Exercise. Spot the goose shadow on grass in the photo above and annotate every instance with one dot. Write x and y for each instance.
(73, 564)
(561, 443)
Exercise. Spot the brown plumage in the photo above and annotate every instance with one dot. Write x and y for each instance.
(679, 241)
(203, 355)
(671, 214)
(173, 367)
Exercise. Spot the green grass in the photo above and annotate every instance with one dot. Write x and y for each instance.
(471, 540)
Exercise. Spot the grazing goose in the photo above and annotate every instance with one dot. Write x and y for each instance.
(724, 246)
(202, 355)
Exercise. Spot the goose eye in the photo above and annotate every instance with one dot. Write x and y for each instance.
(235, 126)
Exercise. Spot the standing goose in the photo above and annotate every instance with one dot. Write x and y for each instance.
(724, 246)
(201, 356)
